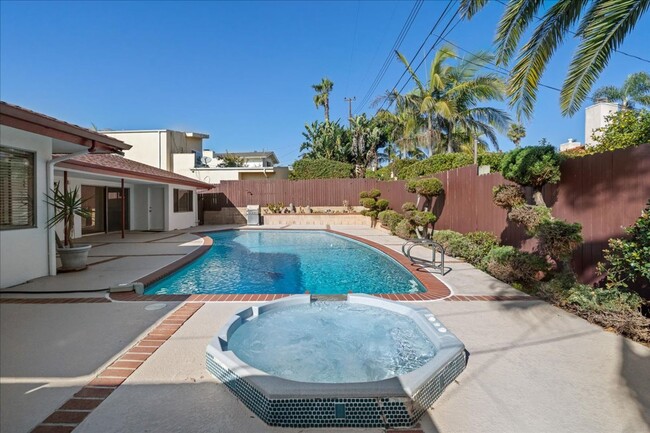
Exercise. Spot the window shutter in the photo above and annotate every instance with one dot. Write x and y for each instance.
(16, 188)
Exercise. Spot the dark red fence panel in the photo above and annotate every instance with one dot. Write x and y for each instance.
(603, 192)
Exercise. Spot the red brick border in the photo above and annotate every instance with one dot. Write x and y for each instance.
(66, 418)
(54, 300)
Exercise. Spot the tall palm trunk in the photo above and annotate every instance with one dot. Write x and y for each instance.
(327, 110)
(449, 138)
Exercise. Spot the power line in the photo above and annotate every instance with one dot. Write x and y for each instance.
(440, 17)
(425, 56)
(499, 69)
(389, 58)
(634, 56)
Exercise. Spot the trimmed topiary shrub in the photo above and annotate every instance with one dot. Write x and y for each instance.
(510, 265)
(382, 204)
(529, 216)
(508, 196)
(430, 187)
(409, 206)
(532, 166)
(390, 219)
(558, 239)
(373, 205)
(321, 169)
(404, 229)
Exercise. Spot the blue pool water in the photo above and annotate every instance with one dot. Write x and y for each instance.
(289, 262)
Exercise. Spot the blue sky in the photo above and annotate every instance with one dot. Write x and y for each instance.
(240, 71)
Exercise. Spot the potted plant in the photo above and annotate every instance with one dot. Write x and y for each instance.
(66, 205)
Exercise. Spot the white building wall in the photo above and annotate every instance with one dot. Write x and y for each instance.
(180, 220)
(595, 118)
(24, 252)
(148, 147)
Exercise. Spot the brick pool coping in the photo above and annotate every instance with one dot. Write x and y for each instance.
(67, 417)
(436, 289)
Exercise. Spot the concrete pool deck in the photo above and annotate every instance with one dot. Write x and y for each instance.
(532, 367)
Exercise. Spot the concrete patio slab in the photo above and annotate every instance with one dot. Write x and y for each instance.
(532, 368)
(48, 352)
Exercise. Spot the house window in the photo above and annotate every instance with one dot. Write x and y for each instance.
(183, 200)
(17, 191)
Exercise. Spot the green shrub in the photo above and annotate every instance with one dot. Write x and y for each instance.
(368, 202)
(373, 205)
(390, 219)
(445, 161)
(422, 218)
(511, 265)
(627, 260)
(409, 206)
(484, 242)
(625, 128)
(508, 196)
(430, 187)
(379, 174)
(529, 216)
(532, 166)
(404, 229)
(558, 239)
(493, 159)
(382, 204)
(320, 168)
(446, 238)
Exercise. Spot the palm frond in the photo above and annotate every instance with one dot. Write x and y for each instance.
(516, 18)
(602, 30)
(536, 53)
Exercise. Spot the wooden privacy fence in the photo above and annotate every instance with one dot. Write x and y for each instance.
(603, 192)
(314, 192)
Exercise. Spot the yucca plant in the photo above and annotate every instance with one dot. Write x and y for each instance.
(66, 205)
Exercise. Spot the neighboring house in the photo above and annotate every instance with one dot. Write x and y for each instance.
(595, 118)
(211, 167)
(38, 150)
(182, 153)
(157, 147)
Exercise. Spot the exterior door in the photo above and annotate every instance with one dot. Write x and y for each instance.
(157, 209)
(114, 209)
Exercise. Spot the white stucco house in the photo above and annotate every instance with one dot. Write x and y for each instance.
(183, 153)
(37, 150)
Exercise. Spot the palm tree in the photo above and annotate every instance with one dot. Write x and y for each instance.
(449, 98)
(327, 140)
(602, 26)
(322, 97)
(635, 90)
(366, 139)
(516, 132)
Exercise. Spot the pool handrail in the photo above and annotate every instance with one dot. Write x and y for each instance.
(433, 264)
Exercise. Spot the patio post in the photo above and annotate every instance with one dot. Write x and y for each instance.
(123, 209)
(66, 238)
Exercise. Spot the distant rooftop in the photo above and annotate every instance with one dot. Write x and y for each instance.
(269, 155)
(135, 131)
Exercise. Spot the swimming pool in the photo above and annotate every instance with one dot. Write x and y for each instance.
(288, 262)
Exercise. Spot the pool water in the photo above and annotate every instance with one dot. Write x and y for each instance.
(288, 262)
(332, 342)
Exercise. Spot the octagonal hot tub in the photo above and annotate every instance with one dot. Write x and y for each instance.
(358, 362)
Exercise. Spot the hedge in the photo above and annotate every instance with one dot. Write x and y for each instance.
(321, 169)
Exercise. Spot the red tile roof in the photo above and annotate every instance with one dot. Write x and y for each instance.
(28, 120)
(116, 165)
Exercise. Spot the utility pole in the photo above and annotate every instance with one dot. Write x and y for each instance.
(349, 101)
